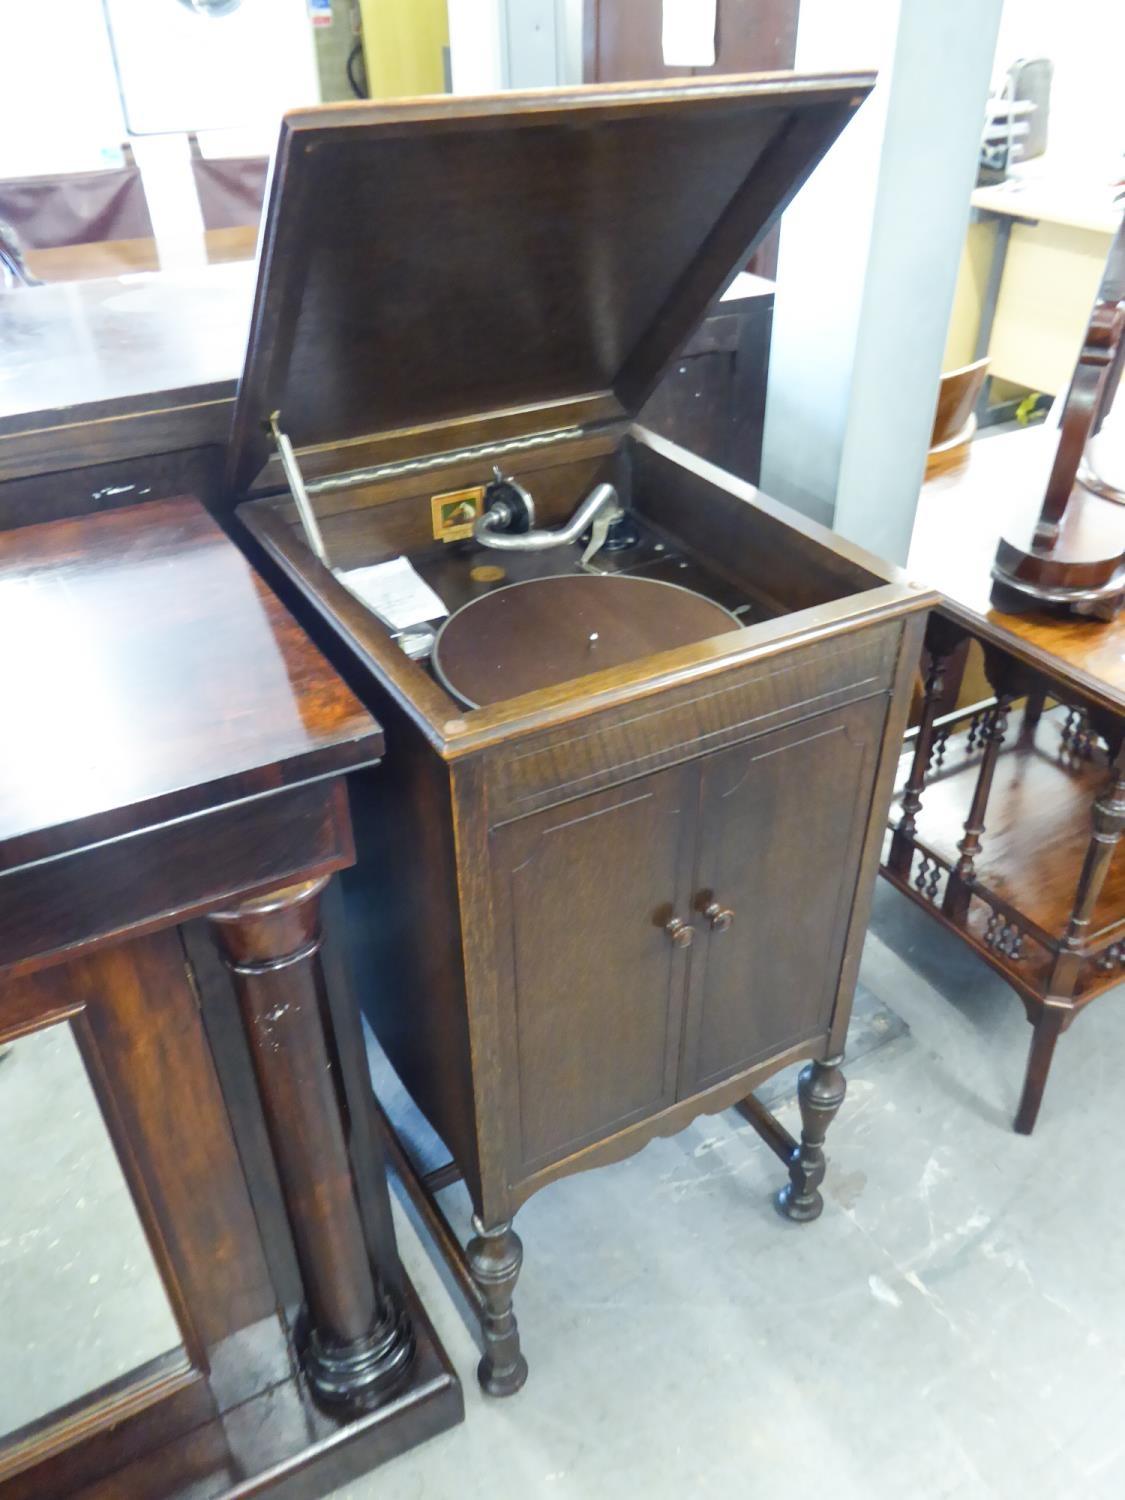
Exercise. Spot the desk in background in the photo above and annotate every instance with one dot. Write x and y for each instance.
(118, 390)
(1033, 259)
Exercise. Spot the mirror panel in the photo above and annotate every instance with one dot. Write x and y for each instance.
(82, 1302)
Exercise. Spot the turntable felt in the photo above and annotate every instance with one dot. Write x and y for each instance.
(550, 630)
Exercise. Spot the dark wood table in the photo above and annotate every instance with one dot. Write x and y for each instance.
(1006, 833)
(172, 811)
(118, 390)
(121, 389)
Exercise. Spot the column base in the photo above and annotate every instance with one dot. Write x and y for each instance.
(363, 1373)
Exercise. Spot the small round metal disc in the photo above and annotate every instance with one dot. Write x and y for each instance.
(550, 630)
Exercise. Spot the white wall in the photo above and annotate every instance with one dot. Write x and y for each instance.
(825, 244)
(181, 70)
(1085, 39)
(572, 46)
(501, 44)
(476, 46)
(939, 84)
(59, 109)
(868, 264)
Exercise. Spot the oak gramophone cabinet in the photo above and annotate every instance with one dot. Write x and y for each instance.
(641, 721)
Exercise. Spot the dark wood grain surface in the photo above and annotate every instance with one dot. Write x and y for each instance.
(961, 513)
(1038, 829)
(155, 688)
(1007, 838)
(581, 847)
(622, 39)
(147, 672)
(1074, 548)
(957, 395)
(96, 348)
(528, 974)
(573, 241)
(816, 776)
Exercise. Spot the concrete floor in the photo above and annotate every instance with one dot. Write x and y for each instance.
(954, 1325)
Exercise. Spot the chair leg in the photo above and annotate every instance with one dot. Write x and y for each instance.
(1043, 1038)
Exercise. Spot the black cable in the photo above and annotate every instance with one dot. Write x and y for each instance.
(358, 89)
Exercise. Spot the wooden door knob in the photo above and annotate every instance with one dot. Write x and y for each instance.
(720, 917)
(681, 933)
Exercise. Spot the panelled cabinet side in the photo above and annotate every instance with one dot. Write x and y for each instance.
(408, 902)
(912, 628)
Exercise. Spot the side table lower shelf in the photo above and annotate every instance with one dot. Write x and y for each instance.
(991, 834)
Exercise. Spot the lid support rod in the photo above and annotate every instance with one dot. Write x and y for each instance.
(295, 479)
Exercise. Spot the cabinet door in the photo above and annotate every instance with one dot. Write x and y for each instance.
(592, 985)
(781, 828)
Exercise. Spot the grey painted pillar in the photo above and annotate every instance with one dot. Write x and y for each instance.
(868, 265)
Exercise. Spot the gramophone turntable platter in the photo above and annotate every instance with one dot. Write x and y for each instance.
(550, 630)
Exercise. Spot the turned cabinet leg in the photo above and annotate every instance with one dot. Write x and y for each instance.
(1108, 824)
(495, 1256)
(1033, 710)
(820, 1092)
(1043, 1038)
(359, 1346)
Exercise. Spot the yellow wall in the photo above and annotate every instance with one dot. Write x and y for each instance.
(402, 46)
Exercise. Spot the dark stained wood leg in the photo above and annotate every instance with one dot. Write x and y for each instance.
(958, 891)
(902, 845)
(1108, 819)
(1043, 1039)
(359, 1345)
(1033, 710)
(820, 1093)
(495, 1256)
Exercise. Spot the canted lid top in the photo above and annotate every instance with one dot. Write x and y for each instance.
(543, 254)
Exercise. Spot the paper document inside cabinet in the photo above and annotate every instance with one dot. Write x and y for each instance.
(395, 592)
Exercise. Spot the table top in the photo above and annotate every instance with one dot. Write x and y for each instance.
(94, 348)
(102, 258)
(147, 673)
(961, 513)
(1052, 200)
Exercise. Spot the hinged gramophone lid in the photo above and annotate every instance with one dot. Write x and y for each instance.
(435, 270)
